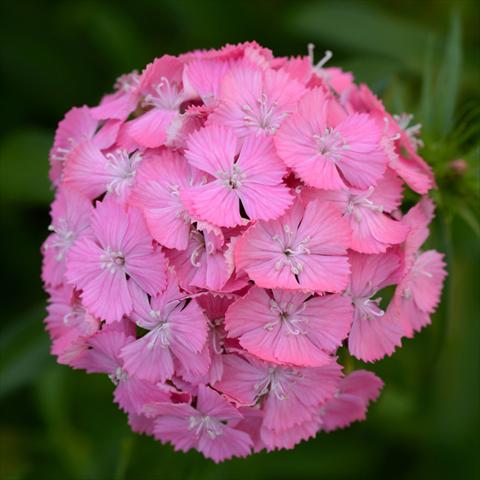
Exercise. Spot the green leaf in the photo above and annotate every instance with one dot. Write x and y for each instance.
(24, 166)
(448, 81)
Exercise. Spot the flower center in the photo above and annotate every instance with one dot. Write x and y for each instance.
(112, 260)
(292, 251)
(61, 153)
(263, 115)
(118, 376)
(330, 144)
(200, 423)
(79, 318)
(358, 201)
(167, 96)
(62, 239)
(287, 317)
(123, 168)
(233, 179)
(368, 308)
(128, 82)
(160, 335)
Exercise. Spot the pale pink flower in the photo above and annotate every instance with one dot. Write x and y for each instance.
(303, 250)
(288, 327)
(177, 330)
(71, 215)
(247, 173)
(373, 334)
(119, 247)
(209, 426)
(256, 101)
(350, 402)
(329, 149)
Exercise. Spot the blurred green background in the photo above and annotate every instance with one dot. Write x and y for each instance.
(421, 56)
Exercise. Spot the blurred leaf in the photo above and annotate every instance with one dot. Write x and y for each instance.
(24, 166)
(470, 218)
(24, 351)
(448, 81)
(72, 448)
(362, 27)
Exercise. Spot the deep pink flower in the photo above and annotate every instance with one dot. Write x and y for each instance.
(303, 250)
(121, 246)
(248, 174)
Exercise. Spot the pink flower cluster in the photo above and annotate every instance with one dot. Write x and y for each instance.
(223, 223)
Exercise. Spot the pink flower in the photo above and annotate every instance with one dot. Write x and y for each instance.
(204, 262)
(93, 173)
(78, 126)
(209, 427)
(303, 250)
(248, 174)
(68, 322)
(123, 102)
(160, 181)
(70, 214)
(223, 222)
(177, 331)
(103, 356)
(121, 246)
(289, 327)
(418, 293)
(256, 101)
(350, 403)
(202, 78)
(161, 85)
(328, 149)
(289, 395)
(369, 213)
(373, 334)
(403, 158)
(215, 306)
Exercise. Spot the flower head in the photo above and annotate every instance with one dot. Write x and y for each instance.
(224, 226)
